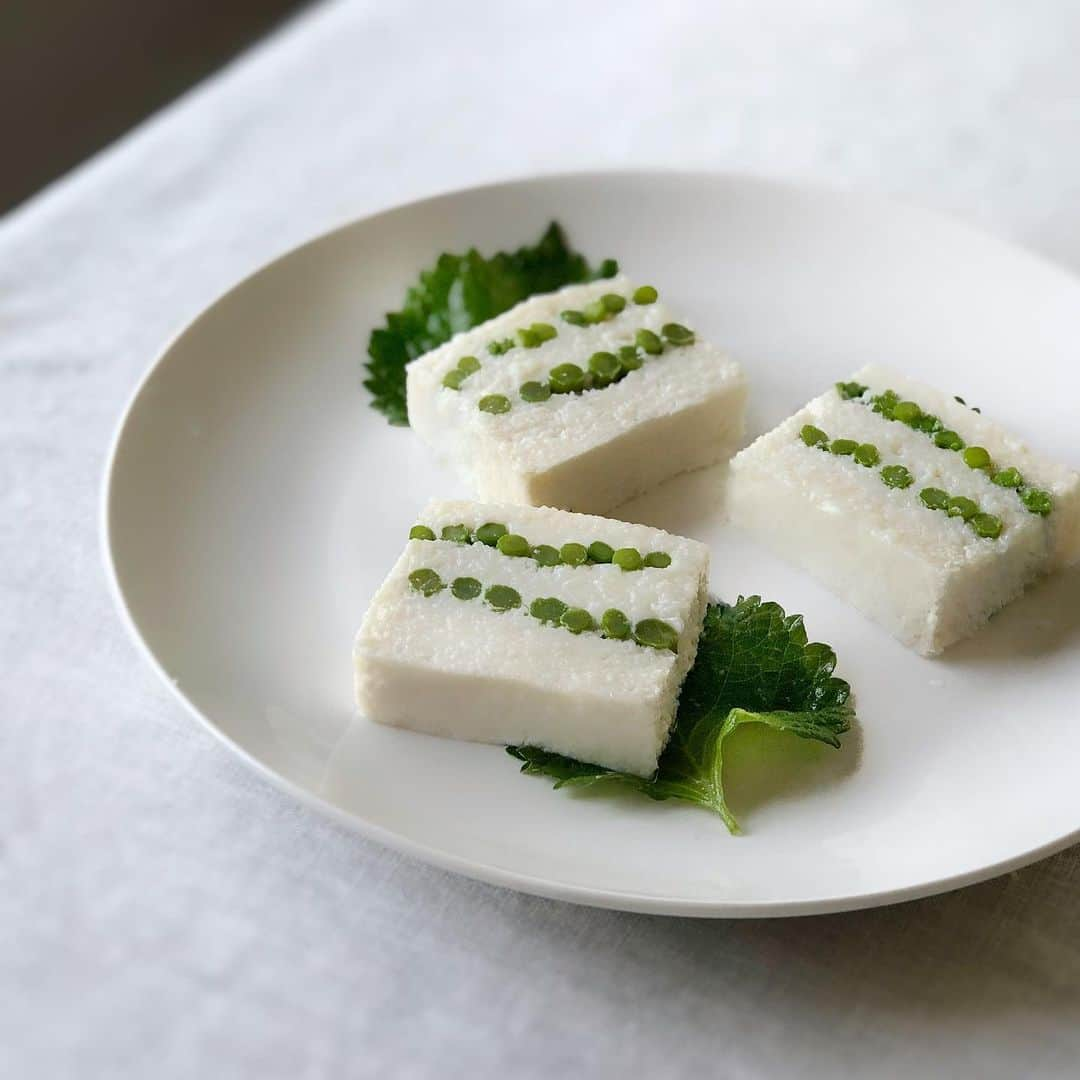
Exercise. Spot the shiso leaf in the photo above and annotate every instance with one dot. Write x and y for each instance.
(459, 292)
(754, 665)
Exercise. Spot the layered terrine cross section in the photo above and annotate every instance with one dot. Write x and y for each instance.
(580, 398)
(522, 625)
(920, 511)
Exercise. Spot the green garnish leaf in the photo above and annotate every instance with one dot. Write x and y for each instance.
(459, 292)
(754, 665)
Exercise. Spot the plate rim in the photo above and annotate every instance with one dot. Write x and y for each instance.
(492, 873)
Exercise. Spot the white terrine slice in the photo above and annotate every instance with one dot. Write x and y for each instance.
(947, 522)
(516, 407)
(581, 654)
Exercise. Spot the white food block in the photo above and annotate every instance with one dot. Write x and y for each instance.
(928, 578)
(680, 410)
(459, 668)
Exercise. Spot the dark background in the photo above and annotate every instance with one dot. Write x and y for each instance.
(74, 75)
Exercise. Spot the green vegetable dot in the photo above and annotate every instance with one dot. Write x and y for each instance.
(494, 403)
(963, 507)
(533, 391)
(466, 588)
(544, 331)
(608, 269)
(528, 338)
(498, 348)
(613, 302)
(546, 555)
(867, 454)
(849, 390)
(629, 358)
(885, 403)
(548, 609)
(628, 558)
(896, 476)
(813, 436)
(599, 552)
(426, 582)
(452, 380)
(574, 318)
(976, 457)
(677, 334)
(595, 311)
(567, 379)
(459, 534)
(948, 440)
(512, 544)
(648, 342)
(656, 634)
(490, 531)
(573, 554)
(421, 532)
(614, 624)
(645, 294)
(987, 526)
(469, 364)
(1008, 478)
(843, 446)
(604, 365)
(1037, 502)
(934, 498)
(907, 412)
(502, 597)
(658, 559)
(928, 424)
(577, 620)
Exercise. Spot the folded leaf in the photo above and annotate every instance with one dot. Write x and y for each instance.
(753, 665)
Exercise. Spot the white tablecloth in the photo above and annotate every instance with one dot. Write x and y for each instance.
(165, 913)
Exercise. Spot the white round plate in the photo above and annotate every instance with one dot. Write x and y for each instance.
(255, 501)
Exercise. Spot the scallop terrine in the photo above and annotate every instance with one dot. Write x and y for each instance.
(533, 626)
(580, 398)
(922, 513)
